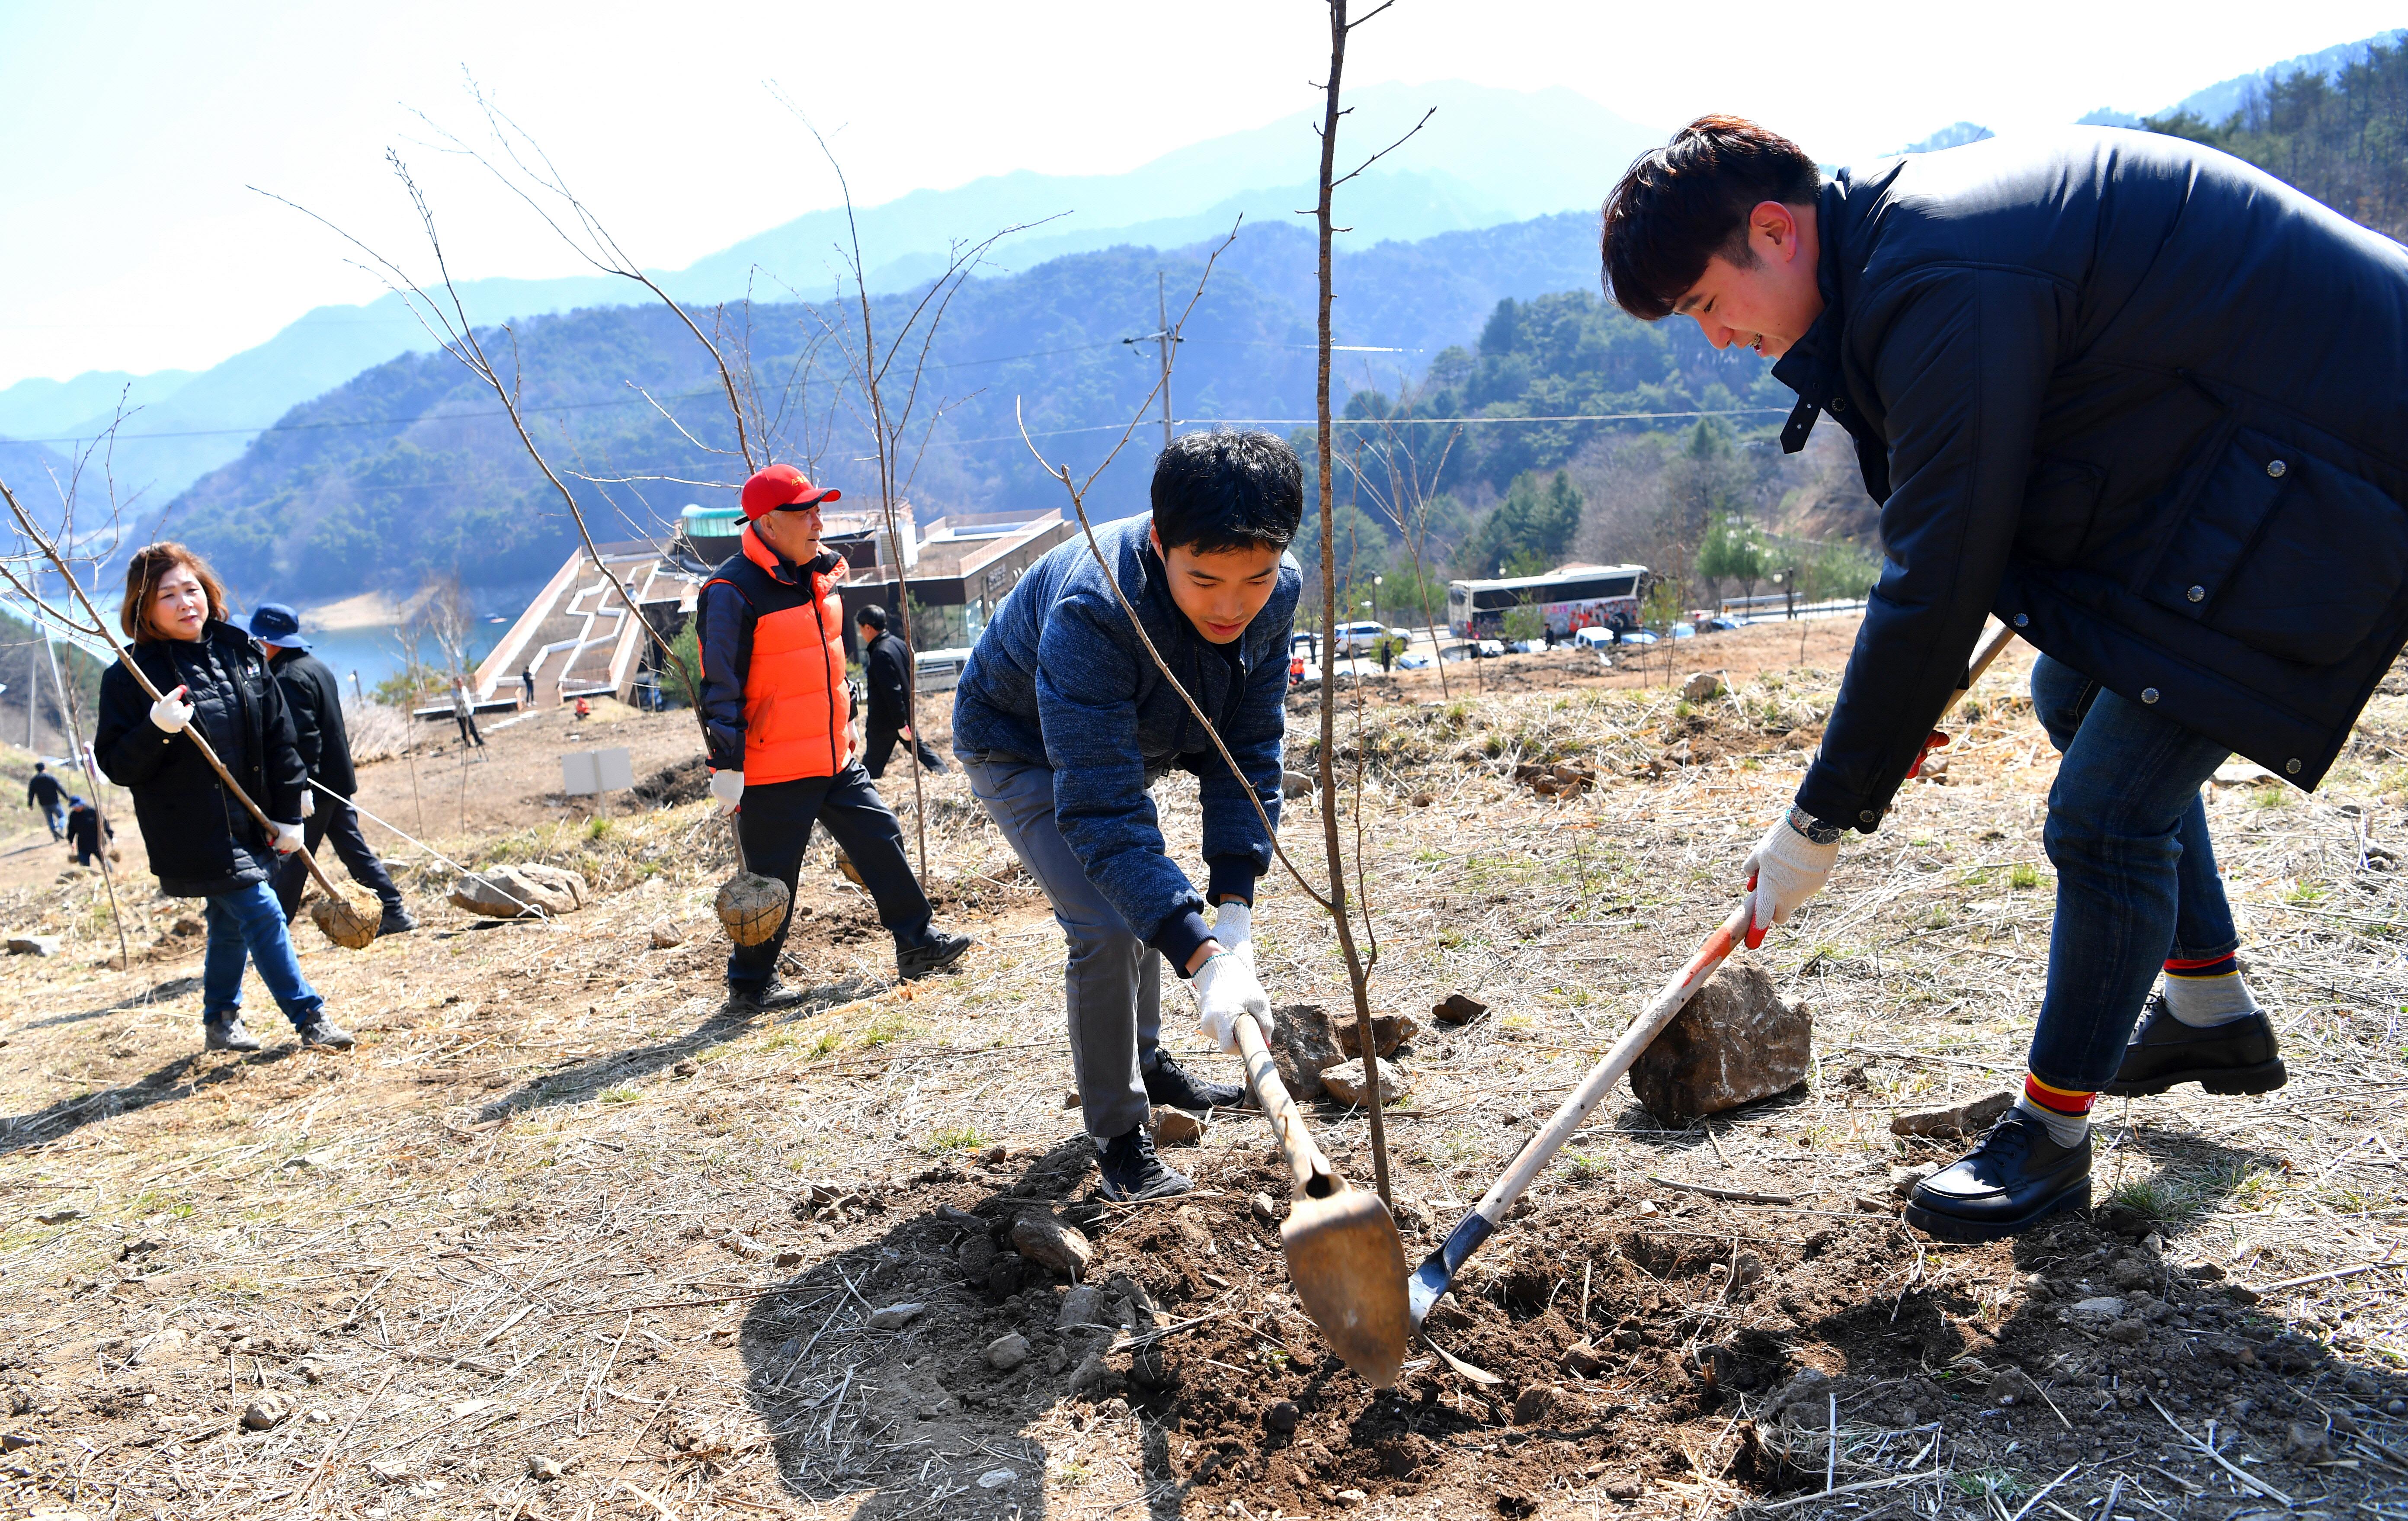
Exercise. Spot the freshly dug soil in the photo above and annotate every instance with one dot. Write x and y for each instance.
(1628, 1359)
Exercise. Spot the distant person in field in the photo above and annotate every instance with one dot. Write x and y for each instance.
(887, 667)
(85, 829)
(315, 700)
(463, 712)
(526, 679)
(777, 710)
(202, 841)
(2146, 404)
(1063, 723)
(44, 792)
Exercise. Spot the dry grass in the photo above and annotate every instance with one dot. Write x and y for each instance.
(538, 1213)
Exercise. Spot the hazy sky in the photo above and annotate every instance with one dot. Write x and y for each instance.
(129, 131)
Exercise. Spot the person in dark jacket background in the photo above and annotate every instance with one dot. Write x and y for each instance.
(202, 841)
(315, 700)
(43, 792)
(775, 705)
(1063, 722)
(85, 827)
(2149, 406)
(887, 665)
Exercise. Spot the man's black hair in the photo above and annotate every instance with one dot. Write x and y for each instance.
(39, 764)
(1221, 491)
(872, 614)
(1682, 204)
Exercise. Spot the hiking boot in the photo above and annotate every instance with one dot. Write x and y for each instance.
(396, 921)
(325, 1035)
(771, 993)
(2236, 1056)
(227, 1034)
(1131, 1170)
(914, 962)
(1167, 1083)
(2016, 1176)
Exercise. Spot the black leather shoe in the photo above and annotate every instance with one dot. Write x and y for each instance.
(2016, 1176)
(2237, 1056)
(914, 962)
(772, 994)
(228, 1035)
(324, 1034)
(1167, 1083)
(396, 921)
(1131, 1171)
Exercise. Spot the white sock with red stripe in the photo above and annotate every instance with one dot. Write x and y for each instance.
(2208, 991)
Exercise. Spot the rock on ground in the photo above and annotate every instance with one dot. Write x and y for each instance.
(1053, 1242)
(1176, 1127)
(1701, 687)
(1457, 1010)
(1388, 1032)
(894, 1317)
(518, 892)
(1349, 1084)
(33, 946)
(1734, 1043)
(1966, 1119)
(1302, 1047)
(1007, 1352)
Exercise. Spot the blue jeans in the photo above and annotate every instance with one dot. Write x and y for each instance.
(2136, 878)
(248, 921)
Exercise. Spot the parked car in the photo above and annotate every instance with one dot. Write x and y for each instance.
(1637, 636)
(940, 671)
(1720, 623)
(1415, 662)
(1359, 639)
(1596, 637)
(1685, 631)
(1527, 647)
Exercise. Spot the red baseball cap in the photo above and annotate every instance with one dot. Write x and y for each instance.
(781, 486)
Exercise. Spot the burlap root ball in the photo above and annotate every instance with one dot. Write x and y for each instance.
(752, 907)
(350, 919)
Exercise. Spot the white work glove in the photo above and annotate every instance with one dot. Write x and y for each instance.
(1234, 927)
(309, 801)
(288, 838)
(172, 711)
(728, 787)
(1784, 871)
(1226, 988)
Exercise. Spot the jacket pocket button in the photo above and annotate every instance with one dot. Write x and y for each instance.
(2021, 620)
(2276, 467)
(2148, 693)
(1838, 405)
(2292, 766)
(2196, 594)
(1867, 816)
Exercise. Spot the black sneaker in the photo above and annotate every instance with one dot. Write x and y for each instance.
(772, 994)
(396, 921)
(1131, 1171)
(227, 1034)
(325, 1034)
(2014, 1177)
(2237, 1056)
(914, 962)
(1167, 1083)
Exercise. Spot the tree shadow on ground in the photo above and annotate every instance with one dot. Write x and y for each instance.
(578, 1081)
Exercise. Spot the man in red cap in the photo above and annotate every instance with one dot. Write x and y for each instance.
(774, 702)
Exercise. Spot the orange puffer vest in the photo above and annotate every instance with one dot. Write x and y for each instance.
(773, 649)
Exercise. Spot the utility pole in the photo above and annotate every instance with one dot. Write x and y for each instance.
(1161, 337)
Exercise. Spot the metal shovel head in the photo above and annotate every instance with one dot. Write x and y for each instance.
(1349, 1269)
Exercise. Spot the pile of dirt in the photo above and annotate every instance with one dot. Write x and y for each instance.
(680, 782)
(1634, 1345)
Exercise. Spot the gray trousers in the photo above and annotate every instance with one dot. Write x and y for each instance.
(1112, 980)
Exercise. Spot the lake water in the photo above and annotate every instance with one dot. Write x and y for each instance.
(375, 655)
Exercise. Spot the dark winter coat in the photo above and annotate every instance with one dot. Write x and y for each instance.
(2147, 404)
(315, 699)
(84, 826)
(1059, 678)
(888, 667)
(43, 791)
(200, 840)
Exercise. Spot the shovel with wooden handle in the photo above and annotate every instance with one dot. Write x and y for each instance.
(1437, 1273)
(1340, 1240)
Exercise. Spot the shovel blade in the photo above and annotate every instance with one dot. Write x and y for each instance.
(1349, 1270)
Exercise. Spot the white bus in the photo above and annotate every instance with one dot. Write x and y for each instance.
(1569, 599)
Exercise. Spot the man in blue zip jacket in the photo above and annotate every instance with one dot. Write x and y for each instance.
(2149, 406)
(1063, 722)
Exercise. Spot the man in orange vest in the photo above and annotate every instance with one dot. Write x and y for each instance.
(774, 700)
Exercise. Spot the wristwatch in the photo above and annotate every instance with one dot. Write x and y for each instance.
(1814, 830)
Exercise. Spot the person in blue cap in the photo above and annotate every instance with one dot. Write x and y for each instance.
(85, 827)
(315, 700)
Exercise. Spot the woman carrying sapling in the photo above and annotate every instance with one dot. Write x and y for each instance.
(203, 842)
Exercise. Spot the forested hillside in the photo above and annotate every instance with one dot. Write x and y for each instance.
(2344, 139)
